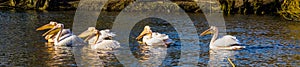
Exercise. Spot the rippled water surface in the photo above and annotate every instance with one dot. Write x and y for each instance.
(270, 41)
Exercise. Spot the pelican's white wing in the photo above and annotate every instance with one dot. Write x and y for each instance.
(157, 39)
(164, 37)
(226, 40)
(107, 33)
(158, 35)
(106, 44)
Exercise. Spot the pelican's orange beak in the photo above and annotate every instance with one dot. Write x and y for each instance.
(52, 31)
(89, 37)
(88, 32)
(50, 26)
(49, 37)
(208, 31)
(44, 27)
(47, 26)
(94, 32)
(146, 31)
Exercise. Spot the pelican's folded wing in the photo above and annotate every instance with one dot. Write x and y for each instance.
(226, 40)
(106, 44)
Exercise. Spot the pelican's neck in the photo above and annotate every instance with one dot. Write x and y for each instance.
(150, 35)
(59, 35)
(214, 37)
(97, 37)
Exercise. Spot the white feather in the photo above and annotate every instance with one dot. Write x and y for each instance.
(157, 39)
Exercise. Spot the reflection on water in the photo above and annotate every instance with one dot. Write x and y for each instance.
(219, 57)
(152, 55)
(96, 58)
(271, 42)
(60, 56)
(294, 31)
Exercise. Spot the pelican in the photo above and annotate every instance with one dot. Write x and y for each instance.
(100, 39)
(60, 36)
(154, 38)
(226, 42)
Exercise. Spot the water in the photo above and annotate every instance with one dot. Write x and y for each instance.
(271, 41)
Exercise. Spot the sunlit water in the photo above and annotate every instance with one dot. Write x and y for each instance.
(270, 41)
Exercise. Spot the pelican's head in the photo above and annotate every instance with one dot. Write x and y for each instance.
(88, 32)
(211, 30)
(50, 25)
(92, 31)
(49, 35)
(54, 30)
(146, 32)
(58, 27)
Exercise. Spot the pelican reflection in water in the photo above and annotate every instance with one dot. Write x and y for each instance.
(218, 58)
(154, 38)
(226, 42)
(60, 36)
(100, 39)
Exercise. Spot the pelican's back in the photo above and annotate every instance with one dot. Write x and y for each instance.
(157, 39)
(106, 45)
(159, 35)
(226, 40)
(107, 33)
(164, 37)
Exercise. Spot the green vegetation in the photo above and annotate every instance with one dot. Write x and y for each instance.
(37, 4)
(288, 9)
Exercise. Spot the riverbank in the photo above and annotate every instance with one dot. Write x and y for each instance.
(229, 6)
(285, 8)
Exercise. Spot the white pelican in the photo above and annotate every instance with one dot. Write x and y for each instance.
(226, 42)
(60, 36)
(100, 39)
(154, 38)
